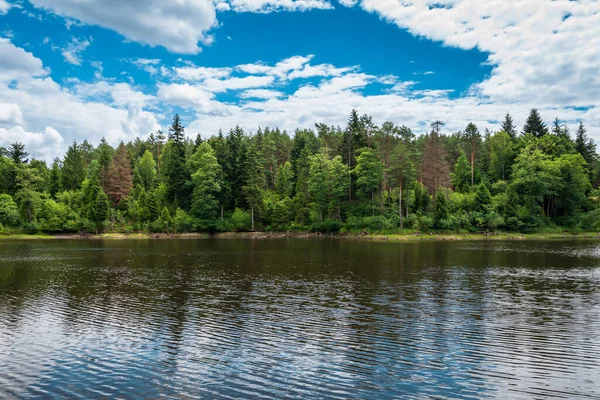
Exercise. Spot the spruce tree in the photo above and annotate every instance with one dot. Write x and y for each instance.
(509, 127)
(584, 145)
(177, 175)
(17, 153)
(54, 186)
(74, 168)
(535, 125)
(353, 139)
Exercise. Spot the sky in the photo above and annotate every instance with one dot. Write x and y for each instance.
(87, 69)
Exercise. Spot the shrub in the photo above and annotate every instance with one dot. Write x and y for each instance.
(327, 226)
(240, 220)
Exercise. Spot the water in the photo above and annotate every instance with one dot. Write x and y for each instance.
(299, 319)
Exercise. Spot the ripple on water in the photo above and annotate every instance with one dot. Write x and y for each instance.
(232, 320)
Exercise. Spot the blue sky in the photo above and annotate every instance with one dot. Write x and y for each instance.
(71, 70)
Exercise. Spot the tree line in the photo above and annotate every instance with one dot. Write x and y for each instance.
(362, 177)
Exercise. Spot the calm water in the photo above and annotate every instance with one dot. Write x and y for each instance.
(299, 319)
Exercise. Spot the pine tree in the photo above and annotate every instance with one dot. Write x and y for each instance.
(434, 170)
(177, 175)
(197, 142)
(74, 168)
(483, 198)
(353, 139)
(284, 185)
(474, 139)
(17, 153)
(509, 127)
(95, 203)
(118, 181)
(207, 185)
(535, 125)
(255, 182)
(441, 210)
(461, 177)
(584, 145)
(54, 186)
(401, 171)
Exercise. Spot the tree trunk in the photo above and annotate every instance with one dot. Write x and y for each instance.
(400, 206)
(221, 211)
(252, 217)
(349, 173)
(158, 152)
(473, 168)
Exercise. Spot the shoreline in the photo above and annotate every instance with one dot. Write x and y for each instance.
(311, 235)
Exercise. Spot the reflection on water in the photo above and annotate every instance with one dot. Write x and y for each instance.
(299, 318)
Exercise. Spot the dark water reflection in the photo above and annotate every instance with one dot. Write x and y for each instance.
(299, 318)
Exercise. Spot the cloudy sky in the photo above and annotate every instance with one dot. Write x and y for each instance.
(76, 69)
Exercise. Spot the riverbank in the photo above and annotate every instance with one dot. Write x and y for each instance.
(307, 235)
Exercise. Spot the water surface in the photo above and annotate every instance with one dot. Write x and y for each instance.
(299, 319)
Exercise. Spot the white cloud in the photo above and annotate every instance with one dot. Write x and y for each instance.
(201, 73)
(177, 25)
(34, 107)
(17, 63)
(46, 144)
(4, 7)
(542, 51)
(276, 5)
(149, 65)
(237, 83)
(186, 95)
(71, 53)
(10, 114)
(260, 94)
(281, 69)
(120, 94)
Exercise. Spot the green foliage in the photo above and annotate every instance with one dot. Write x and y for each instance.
(363, 178)
(240, 220)
(74, 168)
(206, 182)
(535, 125)
(9, 212)
(284, 185)
(441, 212)
(461, 177)
(502, 155)
(146, 169)
(368, 171)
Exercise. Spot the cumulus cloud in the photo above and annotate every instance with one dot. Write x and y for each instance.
(17, 63)
(178, 25)
(542, 51)
(119, 94)
(35, 108)
(186, 95)
(45, 144)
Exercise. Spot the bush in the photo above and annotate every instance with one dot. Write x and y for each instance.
(182, 222)
(31, 228)
(327, 226)
(240, 220)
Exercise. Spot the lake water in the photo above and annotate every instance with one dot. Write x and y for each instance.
(302, 318)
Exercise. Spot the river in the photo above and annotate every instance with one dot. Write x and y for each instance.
(299, 318)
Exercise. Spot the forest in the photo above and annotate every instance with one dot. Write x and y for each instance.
(358, 178)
